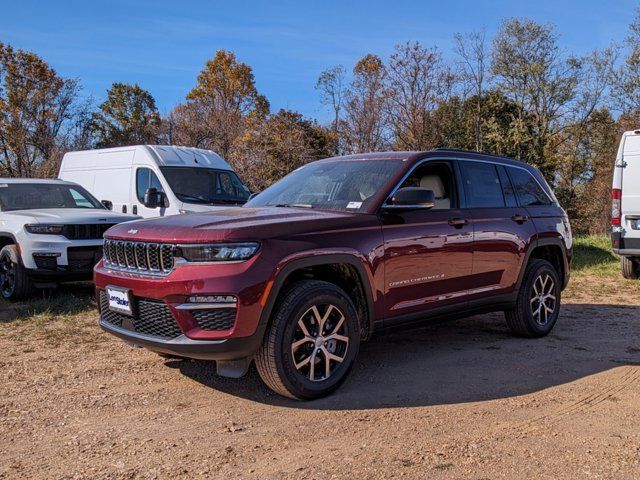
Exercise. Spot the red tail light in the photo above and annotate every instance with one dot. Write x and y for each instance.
(616, 206)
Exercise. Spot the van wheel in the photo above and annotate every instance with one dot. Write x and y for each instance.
(14, 282)
(538, 304)
(311, 343)
(630, 268)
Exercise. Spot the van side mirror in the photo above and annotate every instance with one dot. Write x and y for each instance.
(411, 198)
(108, 204)
(154, 199)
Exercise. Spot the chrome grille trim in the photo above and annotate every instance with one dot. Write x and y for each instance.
(139, 257)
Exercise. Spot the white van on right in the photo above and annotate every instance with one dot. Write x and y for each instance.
(625, 204)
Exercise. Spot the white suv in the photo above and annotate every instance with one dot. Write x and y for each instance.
(50, 231)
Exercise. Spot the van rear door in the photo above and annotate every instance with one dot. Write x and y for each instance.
(629, 169)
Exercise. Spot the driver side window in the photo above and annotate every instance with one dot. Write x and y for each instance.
(437, 177)
(145, 178)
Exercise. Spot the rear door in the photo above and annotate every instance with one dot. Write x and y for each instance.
(630, 201)
(502, 228)
(428, 253)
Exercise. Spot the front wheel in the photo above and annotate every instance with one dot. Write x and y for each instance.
(311, 343)
(538, 302)
(14, 282)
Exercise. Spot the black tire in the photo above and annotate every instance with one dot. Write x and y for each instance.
(535, 313)
(14, 282)
(630, 268)
(281, 363)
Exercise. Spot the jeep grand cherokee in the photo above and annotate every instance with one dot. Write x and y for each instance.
(333, 252)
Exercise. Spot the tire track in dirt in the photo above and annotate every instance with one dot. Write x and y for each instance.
(628, 377)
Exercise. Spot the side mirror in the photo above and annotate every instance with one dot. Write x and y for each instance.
(412, 198)
(108, 204)
(154, 199)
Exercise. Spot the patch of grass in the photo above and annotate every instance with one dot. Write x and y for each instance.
(68, 300)
(593, 255)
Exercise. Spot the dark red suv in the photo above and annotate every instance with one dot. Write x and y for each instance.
(334, 252)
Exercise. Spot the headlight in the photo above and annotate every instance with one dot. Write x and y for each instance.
(221, 252)
(44, 229)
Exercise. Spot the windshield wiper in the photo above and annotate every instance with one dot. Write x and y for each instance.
(299, 205)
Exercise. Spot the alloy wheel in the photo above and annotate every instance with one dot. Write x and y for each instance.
(7, 276)
(543, 298)
(320, 342)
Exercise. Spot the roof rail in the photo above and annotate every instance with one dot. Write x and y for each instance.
(476, 152)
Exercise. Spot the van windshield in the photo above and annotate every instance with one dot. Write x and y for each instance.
(206, 185)
(34, 196)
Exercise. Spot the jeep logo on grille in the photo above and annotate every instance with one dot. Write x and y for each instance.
(133, 231)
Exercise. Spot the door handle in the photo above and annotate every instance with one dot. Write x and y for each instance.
(519, 218)
(458, 222)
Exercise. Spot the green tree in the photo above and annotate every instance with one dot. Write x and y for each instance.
(531, 70)
(127, 117)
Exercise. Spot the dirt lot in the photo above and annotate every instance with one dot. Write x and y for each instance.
(462, 399)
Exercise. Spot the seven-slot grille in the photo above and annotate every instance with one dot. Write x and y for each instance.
(139, 257)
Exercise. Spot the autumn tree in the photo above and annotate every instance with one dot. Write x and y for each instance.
(40, 114)
(331, 85)
(224, 97)
(627, 86)
(271, 148)
(364, 126)
(417, 81)
(473, 59)
(127, 117)
(531, 70)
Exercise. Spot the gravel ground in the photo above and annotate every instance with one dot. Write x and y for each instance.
(461, 399)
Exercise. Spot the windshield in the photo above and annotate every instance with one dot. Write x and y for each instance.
(340, 185)
(206, 185)
(32, 196)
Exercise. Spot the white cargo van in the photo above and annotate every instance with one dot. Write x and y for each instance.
(155, 180)
(625, 204)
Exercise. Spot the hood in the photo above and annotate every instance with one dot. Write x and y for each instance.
(201, 207)
(238, 224)
(72, 215)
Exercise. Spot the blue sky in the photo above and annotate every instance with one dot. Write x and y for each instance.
(163, 45)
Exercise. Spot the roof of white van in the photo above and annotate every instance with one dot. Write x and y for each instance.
(169, 155)
(34, 180)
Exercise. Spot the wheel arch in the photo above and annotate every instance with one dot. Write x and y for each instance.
(7, 239)
(551, 249)
(351, 277)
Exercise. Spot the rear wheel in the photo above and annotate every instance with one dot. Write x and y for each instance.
(14, 282)
(538, 303)
(311, 343)
(630, 268)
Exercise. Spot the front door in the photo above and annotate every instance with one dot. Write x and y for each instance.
(428, 253)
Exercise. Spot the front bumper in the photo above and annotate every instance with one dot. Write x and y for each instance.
(221, 350)
(161, 323)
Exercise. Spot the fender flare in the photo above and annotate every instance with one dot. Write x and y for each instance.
(316, 260)
(543, 242)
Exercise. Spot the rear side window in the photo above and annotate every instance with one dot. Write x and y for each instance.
(145, 179)
(482, 185)
(507, 187)
(528, 190)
